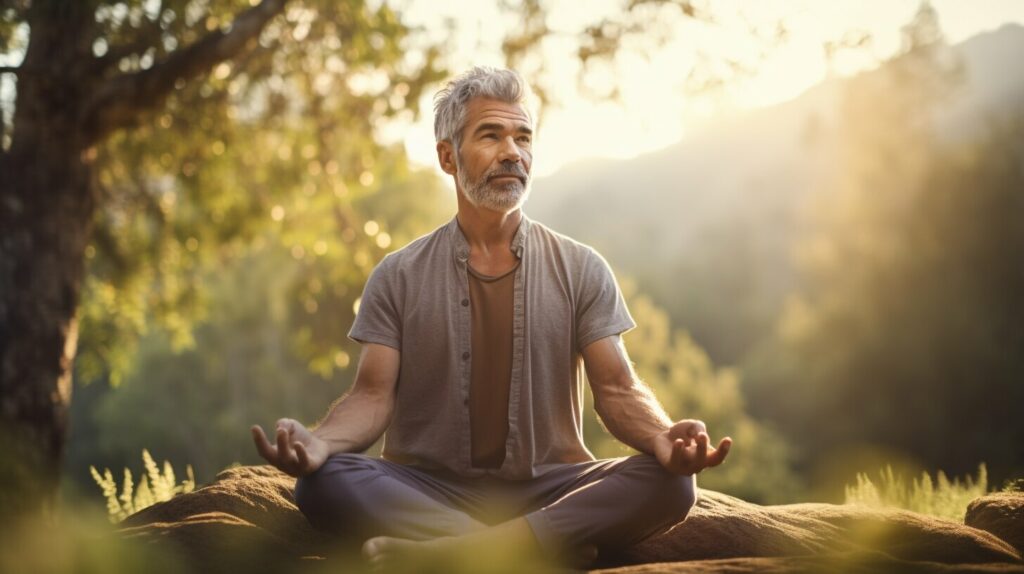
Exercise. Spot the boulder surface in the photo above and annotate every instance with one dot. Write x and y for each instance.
(246, 520)
(1001, 514)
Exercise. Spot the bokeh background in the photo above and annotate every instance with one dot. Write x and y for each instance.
(816, 211)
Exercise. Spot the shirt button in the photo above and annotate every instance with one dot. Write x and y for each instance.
(465, 356)
(465, 302)
(465, 401)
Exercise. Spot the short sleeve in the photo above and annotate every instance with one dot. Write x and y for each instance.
(379, 319)
(601, 309)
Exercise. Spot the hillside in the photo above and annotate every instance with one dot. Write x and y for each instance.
(707, 226)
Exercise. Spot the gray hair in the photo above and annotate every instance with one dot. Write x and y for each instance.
(480, 82)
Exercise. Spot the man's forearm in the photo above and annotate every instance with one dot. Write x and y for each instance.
(355, 422)
(632, 414)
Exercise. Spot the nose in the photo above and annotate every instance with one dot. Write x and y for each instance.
(509, 150)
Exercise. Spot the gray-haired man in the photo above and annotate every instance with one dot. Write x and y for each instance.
(474, 339)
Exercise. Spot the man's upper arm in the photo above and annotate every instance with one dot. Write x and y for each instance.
(608, 368)
(601, 308)
(377, 373)
(379, 318)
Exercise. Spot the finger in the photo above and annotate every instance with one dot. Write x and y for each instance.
(702, 447)
(285, 454)
(302, 456)
(676, 460)
(286, 424)
(716, 458)
(263, 445)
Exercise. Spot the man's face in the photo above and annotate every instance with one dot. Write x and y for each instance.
(493, 160)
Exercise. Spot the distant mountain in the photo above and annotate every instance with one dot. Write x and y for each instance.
(707, 226)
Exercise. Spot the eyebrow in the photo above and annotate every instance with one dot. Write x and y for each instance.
(498, 127)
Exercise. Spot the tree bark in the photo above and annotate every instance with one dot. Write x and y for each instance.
(47, 207)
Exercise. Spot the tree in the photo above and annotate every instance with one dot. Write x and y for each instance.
(187, 86)
(906, 335)
(272, 343)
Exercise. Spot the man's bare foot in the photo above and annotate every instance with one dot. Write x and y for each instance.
(391, 554)
(385, 550)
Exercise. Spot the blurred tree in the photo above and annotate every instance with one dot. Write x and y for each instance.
(908, 334)
(273, 344)
(689, 386)
(144, 137)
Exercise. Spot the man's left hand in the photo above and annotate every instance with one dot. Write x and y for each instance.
(684, 448)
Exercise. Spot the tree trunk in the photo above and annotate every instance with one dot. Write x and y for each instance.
(46, 210)
(47, 205)
(44, 217)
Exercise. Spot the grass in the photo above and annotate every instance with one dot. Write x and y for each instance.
(939, 497)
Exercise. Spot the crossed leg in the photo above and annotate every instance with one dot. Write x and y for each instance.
(404, 513)
(358, 497)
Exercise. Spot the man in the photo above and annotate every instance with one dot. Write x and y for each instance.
(472, 340)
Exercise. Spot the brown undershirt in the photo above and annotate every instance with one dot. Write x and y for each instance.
(491, 368)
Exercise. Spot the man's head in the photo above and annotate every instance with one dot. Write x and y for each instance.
(484, 134)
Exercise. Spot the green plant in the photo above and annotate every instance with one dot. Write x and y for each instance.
(939, 497)
(154, 486)
(1013, 485)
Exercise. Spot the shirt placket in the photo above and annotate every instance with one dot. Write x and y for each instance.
(464, 327)
(464, 323)
(512, 447)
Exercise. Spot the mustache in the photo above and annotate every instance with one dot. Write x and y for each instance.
(513, 169)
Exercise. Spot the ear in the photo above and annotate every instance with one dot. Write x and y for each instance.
(446, 157)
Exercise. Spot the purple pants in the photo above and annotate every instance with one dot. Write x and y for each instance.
(611, 503)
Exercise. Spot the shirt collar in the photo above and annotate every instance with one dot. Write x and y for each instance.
(460, 246)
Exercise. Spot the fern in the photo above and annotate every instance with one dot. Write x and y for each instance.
(153, 486)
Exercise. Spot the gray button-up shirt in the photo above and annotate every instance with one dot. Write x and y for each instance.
(565, 297)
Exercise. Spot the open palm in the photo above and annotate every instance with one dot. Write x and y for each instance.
(684, 448)
(297, 452)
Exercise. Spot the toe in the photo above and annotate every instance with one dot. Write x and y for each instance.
(372, 548)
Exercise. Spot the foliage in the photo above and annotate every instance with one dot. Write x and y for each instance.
(154, 486)
(273, 343)
(688, 385)
(1013, 485)
(262, 143)
(908, 316)
(939, 497)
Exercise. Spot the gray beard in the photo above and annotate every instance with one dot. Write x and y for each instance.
(494, 196)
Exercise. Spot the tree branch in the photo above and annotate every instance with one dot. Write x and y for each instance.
(118, 101)
(115, 54)
(149, 35)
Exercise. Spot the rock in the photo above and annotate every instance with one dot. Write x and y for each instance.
(1001, 514)
(246, 520)
(847, 563)
(721, 526)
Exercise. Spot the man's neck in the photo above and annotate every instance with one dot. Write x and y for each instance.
(488, 232)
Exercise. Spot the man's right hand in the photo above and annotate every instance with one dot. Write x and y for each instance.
(297, 452)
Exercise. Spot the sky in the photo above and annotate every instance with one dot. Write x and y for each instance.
(655, 109)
